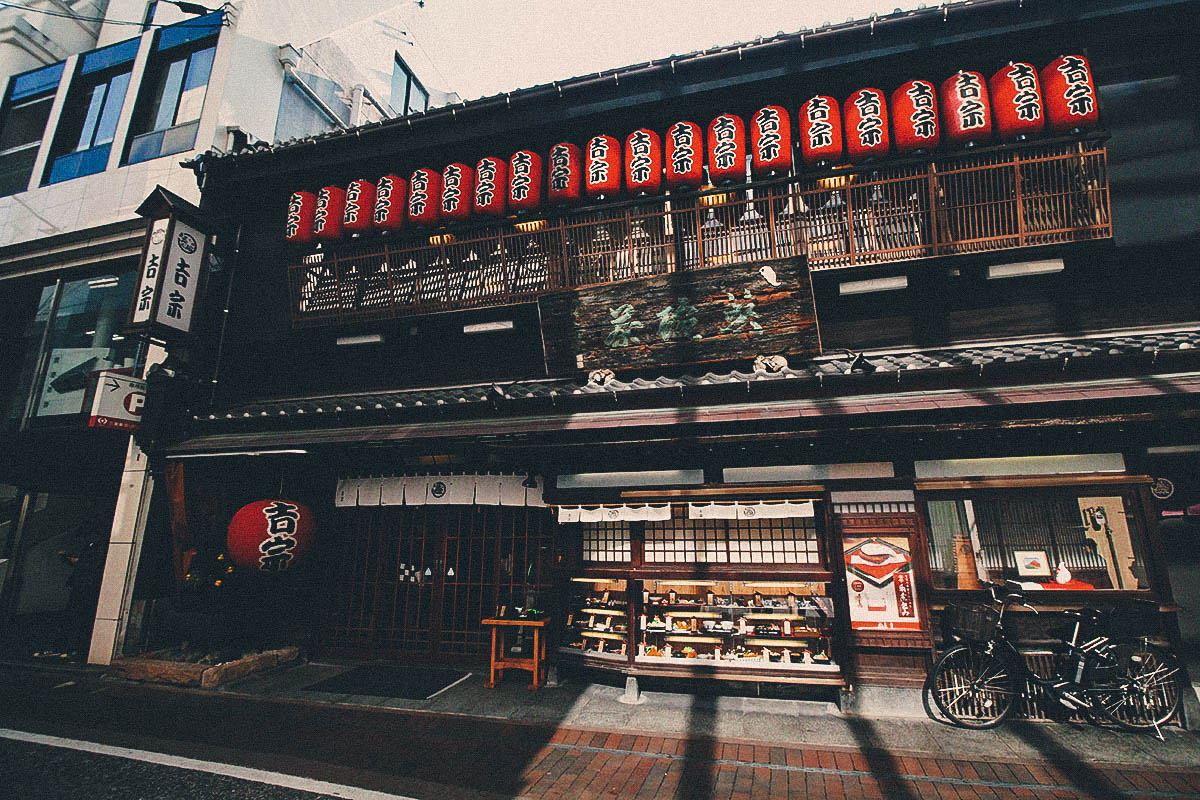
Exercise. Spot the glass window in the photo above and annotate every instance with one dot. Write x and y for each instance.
(23, 124)
(408, 95)
(22, 361)
(168, 113)
(88, 124)
(1052, 539)
(84, 318)
(736, 541)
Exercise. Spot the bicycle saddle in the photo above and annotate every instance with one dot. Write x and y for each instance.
(1093, 615)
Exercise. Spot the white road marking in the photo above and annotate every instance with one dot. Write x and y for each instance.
(211, 767)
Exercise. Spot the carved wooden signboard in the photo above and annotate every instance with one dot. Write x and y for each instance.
(721, 314)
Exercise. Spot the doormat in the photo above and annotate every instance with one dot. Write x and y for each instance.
(390, 680)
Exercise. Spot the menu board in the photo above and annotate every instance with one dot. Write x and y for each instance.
(879, 583)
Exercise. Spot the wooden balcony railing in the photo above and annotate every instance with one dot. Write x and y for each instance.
(990, 199)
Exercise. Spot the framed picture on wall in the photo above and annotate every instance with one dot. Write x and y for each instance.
(1032, 563)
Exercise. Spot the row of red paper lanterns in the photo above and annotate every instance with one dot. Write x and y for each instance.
(965, 110)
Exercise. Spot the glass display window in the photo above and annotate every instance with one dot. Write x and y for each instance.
(597, 621)
(770, 624)
(1067, 538)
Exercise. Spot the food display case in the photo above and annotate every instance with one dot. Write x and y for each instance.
(725, 624)
(597, 621)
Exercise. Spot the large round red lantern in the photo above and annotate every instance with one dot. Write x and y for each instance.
(491, 187)
(770, 142)
(360, 207)
(726, 145)
(821, 139)
(458, 191)
(564, 184)
(327, 220)
(602, 167)
(1017, 102)
(391, 198)
(643, 162)
(302, 208)
(866, 120)
(1070, 95)
(915, 117)
(425, 196)
(270, 535)
(525, 181)
(684, 157)
(966, 112)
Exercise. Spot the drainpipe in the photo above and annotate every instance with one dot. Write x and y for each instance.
(289, 59)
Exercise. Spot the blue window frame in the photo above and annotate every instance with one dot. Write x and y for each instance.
(89, 119)
(23, 118)
(168, 110)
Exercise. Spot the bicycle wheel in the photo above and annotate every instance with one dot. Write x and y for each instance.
(1135, 685)
(973, 688)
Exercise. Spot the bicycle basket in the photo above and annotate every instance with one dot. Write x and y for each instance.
(973, 622)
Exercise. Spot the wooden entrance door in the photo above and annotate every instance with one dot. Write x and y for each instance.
(417, 581)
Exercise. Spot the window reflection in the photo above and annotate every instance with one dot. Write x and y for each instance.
(84, 337)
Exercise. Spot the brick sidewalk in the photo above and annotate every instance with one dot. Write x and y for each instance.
(590, 765)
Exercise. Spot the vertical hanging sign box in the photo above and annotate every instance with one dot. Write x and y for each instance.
(172, 268)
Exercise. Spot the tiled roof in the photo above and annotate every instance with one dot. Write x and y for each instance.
(1089, 350)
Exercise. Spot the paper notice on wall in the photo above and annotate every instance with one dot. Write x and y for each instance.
(879, 583)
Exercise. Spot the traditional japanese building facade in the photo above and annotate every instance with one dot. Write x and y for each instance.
(761, 424)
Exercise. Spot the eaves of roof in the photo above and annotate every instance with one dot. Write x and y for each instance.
(1017, 371)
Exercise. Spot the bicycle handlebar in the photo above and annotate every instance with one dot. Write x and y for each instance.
(1009, 592)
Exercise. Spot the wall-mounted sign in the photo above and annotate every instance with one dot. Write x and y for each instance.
(879, 583)
(118, 401)
(681, 318)
(174, 258)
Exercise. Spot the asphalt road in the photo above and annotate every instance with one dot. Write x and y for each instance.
(49, 772)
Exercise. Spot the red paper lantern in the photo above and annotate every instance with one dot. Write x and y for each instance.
(425, 196)
(327, 220)
(525, 181)
(771, 142)
(565, 181)
(270, 535)
(915, 117)
(491, 187)
(643, 162)
(966, 112)
(820, 131)
(685, 161)
(602, 167)
(360, 207)
(302, 207)
(1070, 95)
(726, 149)
(391, 198)
(1017, 102)
(458, 191)
(866, 120)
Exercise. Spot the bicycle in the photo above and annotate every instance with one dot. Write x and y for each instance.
(1129, 681)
